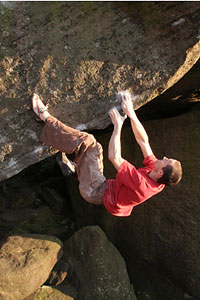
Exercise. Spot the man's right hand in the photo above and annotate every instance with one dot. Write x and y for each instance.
(116, 118)
(127, 105)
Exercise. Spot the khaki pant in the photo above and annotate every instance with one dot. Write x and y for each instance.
(88, 156)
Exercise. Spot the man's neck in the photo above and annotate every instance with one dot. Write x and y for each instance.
(153, 176)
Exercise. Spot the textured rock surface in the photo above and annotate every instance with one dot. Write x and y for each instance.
(24, 207)
(25, 263)
(77, 56)
(50, 293)
(98, 269)
(164, 230)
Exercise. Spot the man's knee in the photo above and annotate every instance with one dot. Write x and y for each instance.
(94, 195)
(86, 195)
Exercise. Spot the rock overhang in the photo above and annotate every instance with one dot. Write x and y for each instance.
(77, 56)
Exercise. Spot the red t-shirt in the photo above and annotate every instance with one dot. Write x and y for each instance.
(131, 187)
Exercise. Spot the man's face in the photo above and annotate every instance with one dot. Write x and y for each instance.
(161, 163)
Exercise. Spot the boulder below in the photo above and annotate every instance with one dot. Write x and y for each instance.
(77, 56)
(50, 293)
(26, 261)
(97, 268)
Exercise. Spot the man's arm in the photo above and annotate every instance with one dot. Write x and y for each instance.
(138, 129)
(114, 148)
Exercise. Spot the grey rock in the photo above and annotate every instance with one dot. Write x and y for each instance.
(165, 229)
(53, 199)
(77, 56)
(97, 268)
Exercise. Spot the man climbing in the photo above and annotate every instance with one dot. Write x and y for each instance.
(132, 186)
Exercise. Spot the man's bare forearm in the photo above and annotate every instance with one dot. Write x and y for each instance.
(114, 147)
(138, 129)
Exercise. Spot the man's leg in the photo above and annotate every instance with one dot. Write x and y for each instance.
(88, 159)
(89, 155)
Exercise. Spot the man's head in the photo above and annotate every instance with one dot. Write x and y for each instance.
(169, 171)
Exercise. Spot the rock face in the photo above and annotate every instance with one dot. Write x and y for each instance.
(165, 229)
(94, 267)
(50, 293)
(26, 261)
(98, 269)
(77, 56)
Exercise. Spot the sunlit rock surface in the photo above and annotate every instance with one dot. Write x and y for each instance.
(77, 56)
(26, 261)
(50, 293)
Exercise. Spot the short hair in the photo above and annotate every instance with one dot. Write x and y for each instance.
(171, 174)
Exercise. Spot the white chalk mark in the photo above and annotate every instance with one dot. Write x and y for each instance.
(180, 21)
(81, 127)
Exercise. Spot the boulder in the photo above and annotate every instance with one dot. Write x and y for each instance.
(177, 100)
(26, 261)
(163, 231)
(98, 271)
(53, 199)
(36, 201)
(35, 220)
(77, 56)
(50, 293)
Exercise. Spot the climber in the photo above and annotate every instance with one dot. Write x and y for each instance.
(132, 186)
